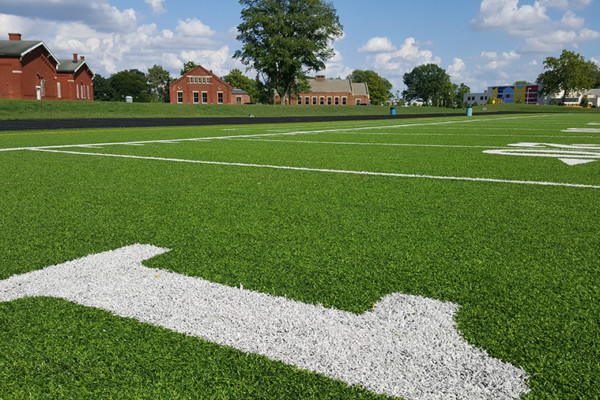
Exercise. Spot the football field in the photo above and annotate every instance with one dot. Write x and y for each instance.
(438, 258)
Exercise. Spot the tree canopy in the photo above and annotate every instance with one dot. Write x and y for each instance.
(188, 66)
(430, 83)
(569, 73)
(159, 80)
(379, 88)
(238, 80)
(285, 39)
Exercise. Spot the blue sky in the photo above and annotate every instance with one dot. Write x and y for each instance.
(478, 42)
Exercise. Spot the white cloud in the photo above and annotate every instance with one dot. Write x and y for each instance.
(193, 28)
(377, 45)
(98, 14)
(497, 61)
(157, 6)
(532, 23)
(335, 67)
(456, 69)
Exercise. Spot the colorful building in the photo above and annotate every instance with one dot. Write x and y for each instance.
(201, 86)
(29, 70)
(515, 94)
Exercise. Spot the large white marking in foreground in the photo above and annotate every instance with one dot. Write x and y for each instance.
(406, 346)
(571, 154)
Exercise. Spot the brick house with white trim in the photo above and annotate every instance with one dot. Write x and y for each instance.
(201, 86)
(29, 70)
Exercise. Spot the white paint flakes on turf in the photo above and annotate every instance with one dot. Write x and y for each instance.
(407, 346)
(334, 171)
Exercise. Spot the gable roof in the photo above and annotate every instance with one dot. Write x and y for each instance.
(338, 86)
(19, 48)
(68, 66)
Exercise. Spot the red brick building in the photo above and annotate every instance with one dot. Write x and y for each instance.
(332, 92)
(29, 70)
(200, 86)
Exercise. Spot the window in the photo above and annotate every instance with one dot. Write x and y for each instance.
(329, 101)
(58, 90)
(358, 102)
(204, 97)
(344, 100)
(220, 97)
(321, 100)
(239, 100)
(508, 96)
(300, 100)
(337, 101)
(191, 79)
(180, 97)
(208, 80)
(196, 97)
(307, 100)
(314, 101)
(77, 88)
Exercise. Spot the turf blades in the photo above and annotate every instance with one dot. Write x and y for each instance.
(406, 346)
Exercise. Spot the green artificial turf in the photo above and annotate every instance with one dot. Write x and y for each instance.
(520, 260)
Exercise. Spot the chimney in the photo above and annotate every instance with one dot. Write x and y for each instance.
(82, 58)
(14, 37)
(320, 77)
(75, 57)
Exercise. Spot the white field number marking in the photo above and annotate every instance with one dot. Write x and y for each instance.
(571, 154)
(406, 346)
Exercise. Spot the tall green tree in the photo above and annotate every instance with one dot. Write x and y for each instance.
(158, 80)
(103, 90)
(459, 92)
(570, 73)
(285, 39)
(238, 80)
(430, 83)
(379, 88)
(188, 66)
(130, 83)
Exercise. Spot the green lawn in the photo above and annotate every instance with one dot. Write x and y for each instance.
(29, 109)
(520, 259)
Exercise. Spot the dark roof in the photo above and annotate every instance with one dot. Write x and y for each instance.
(338, 86)
(18, 48)
(238, 91)
(70, 66)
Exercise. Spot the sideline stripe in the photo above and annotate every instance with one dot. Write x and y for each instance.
(335, 171)
(375, 144)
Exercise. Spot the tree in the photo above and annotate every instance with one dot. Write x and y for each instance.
(459, 92)
(379, 88)
(188, 66)
(430, 83)
(237, 79)
(103, 90)
(569, 73)
(285, 39)
(158, 80)
(522, 83)
(130, 83)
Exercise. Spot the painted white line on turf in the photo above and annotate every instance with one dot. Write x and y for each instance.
(335, 171)
(570, 154)
(406, 346)
(582, 130)
(374, 144)
(100, 145)
(142, 142)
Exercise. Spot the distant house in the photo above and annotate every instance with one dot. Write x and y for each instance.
(29, 70)
(200, 86)
(336, 92)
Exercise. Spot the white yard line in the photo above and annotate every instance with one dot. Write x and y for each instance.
(582, 130)
(336, 171)
(375, 144)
